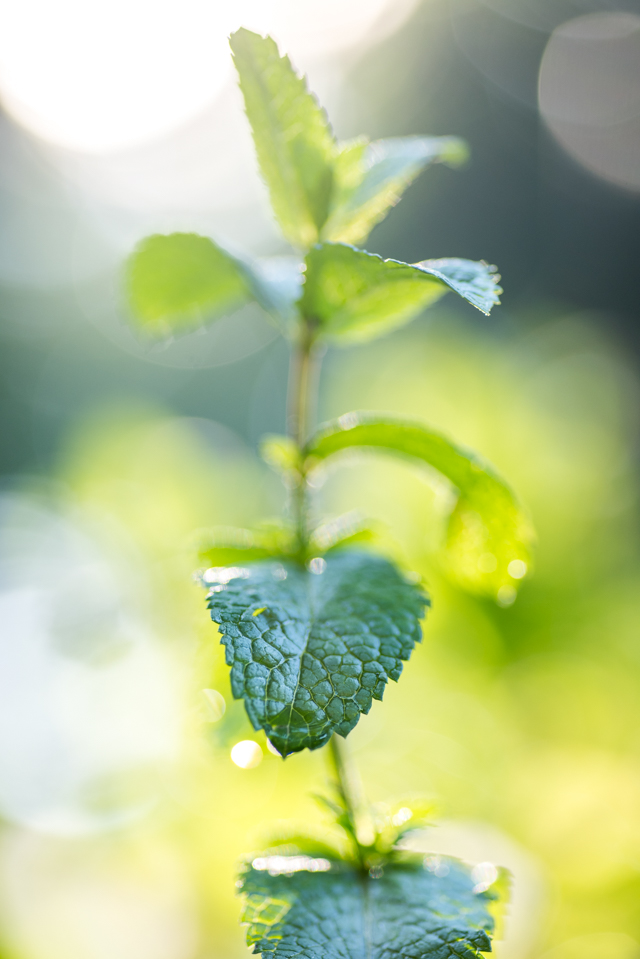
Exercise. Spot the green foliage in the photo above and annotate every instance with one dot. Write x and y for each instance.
(314, 628)
(309, 649)
(178, 282)
(353, 295)
(370, 178)
(294, 144)
(315, 908)
(489, 535)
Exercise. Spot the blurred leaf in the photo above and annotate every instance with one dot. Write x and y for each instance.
(293, 140)
(489, 535)
(179, 281)
(309, 650)
(281, 453)
(369, 178)
(336, 912)
(343, 531)
(227, 545)
(393, 822)
(355, 296)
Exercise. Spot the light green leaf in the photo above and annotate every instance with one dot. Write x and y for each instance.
(225, 546)
(281, 453)
(293, 141)
(341, 532)
(353, 295)
(309, 649)
(316, 908)
(489, 535)
(177, 282)
(370, 178)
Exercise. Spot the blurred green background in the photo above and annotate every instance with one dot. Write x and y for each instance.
(123, 814)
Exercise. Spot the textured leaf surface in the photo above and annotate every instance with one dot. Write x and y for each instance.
(336, 913)
(310, 651)
(178, 281)
(489, 536)
(293, 141)
(354, 295)
(370, 178)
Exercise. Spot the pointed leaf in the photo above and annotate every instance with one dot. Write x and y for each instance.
(293, 141)
(322, 909)
(310, 649)
(178, 281)
(370, 178)
(353, 295)
(489, 536)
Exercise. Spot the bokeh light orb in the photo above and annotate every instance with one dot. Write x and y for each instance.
(589, 93)
(101, 77)
(246, 754)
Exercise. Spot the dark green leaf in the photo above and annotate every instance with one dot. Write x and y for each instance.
(310, 649)
(353, 295)
(323, 909)
(293, 141)
(178, 282)
(369, 178)
(488, 546)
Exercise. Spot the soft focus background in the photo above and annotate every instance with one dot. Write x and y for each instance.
(122, 809)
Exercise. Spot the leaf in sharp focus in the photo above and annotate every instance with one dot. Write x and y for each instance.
(310, 650)
(326, 910)
(489, 535)
(177, 282)
(353, 295)
(293, 140)
(370, 178)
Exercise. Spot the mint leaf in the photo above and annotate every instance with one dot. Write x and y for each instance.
(353, 295)
(293, 140)
(322, 909)
(489, 535)
(177, 282)
(309, 650)
(369, 178)
(225, 546)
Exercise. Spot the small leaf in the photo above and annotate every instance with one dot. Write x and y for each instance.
(281, 453)
(293, 141)
(324, 647)
(177, 282)
(489, 536)
(229, 546)
(322, 909)
(353, 295)
(341, 532)
(370, 178)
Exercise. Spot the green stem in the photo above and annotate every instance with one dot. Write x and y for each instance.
(301, 401)
(304, 369)
(350, 791)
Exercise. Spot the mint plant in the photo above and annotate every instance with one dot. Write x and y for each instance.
(314, 621)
